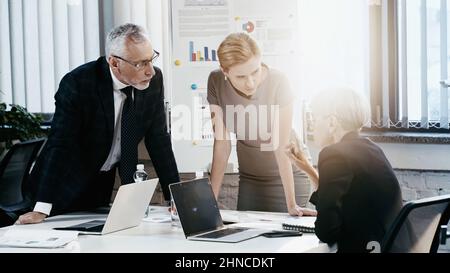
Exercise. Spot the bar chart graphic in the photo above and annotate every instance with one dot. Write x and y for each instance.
(202, 54)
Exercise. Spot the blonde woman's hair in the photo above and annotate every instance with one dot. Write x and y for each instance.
(350, 108)
(237, 48)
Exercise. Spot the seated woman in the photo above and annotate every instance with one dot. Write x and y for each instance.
(357, 193)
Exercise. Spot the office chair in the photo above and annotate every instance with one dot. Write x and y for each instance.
(445, 234)
(14, 171)
(417, 227)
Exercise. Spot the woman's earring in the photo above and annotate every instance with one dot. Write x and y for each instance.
(226, 79)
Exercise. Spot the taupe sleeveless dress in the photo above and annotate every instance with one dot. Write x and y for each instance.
(260, 186)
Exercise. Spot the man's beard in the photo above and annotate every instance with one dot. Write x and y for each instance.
(141, 86)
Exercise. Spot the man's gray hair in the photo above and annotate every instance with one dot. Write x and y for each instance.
(117, 38)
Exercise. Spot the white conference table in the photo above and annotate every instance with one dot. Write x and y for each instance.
(153, 237)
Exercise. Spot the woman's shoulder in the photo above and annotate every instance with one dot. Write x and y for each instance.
(339, 149)
(276, 75)
(216, 75)
(331, 150)
(356, 149)
(277, 81)
(216, 82)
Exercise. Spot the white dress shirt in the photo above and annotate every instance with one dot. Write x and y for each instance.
(119, 99)
(114, 153)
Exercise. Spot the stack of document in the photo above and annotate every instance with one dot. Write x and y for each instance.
(37, 238)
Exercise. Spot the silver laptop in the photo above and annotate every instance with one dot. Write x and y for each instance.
(200, 216)
(127, 210)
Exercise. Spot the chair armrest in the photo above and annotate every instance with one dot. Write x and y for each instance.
(444, 234)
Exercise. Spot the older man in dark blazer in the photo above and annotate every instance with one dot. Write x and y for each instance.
(103, 109)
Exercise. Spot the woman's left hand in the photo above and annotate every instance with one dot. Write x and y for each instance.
(298, 157)
(299, 211)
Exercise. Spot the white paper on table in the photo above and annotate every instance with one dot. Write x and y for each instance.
(300, 221)
(252, 216)
(37, 238)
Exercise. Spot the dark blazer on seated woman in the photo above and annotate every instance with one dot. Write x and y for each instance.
(358, 195)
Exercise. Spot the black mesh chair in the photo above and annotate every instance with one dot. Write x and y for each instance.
(417, 228)
(14, 171)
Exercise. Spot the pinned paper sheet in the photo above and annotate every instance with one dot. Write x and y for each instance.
(37, 238)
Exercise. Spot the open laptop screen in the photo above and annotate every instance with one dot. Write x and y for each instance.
(196, 206)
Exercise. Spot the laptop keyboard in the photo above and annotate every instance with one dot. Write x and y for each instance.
(98, 228)
(93, 226)
(222, 233)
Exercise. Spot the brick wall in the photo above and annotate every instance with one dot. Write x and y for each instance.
(422, 184)
(229, 191)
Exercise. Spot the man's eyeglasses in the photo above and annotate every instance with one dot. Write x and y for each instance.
(142, 64)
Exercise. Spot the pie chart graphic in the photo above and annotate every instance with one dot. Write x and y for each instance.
(249, 27)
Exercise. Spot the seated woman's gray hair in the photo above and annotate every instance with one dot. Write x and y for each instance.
(350, 108)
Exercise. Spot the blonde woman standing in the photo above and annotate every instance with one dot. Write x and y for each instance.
(255, 102)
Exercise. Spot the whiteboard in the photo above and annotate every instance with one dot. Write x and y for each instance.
(198, 27)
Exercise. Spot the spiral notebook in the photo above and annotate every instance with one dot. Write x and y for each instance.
(303, 224)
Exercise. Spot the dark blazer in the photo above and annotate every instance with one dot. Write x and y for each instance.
(358, 195)
(81, 138)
